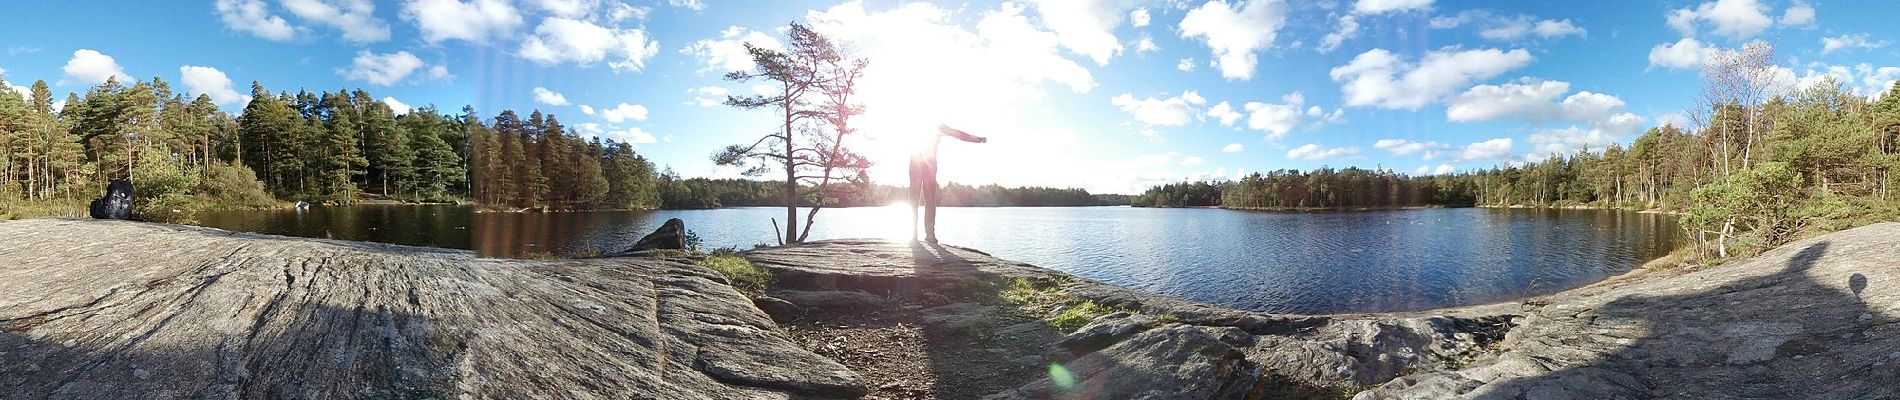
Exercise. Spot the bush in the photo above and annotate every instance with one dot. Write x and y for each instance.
(233, 186)
(163, 189)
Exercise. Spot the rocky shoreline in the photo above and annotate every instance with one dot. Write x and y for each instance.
(113, 309)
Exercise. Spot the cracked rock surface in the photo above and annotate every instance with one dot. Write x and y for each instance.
(96, 309)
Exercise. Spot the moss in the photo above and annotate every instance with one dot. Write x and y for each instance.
(746, 277)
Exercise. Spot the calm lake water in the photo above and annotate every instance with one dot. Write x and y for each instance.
(1311, 263)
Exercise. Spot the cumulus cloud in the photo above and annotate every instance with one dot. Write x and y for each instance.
(1146, 44)
(559, 40)
(475, 21)
(694, 5)
(1486, 150)
(355, 18)
(1313, 151)
(1167, 111)
(1276, 119)
(1383, 6)
(1861, 79)
(211, 82)
(91, 67)
(1530, 100)
(1525, 26)
(544, 96)
(1235, 33)
(254, 17)
(568, 8)
(709, 96)
(397, 106)
(1085, 27)
(382, 69)
(727, 53)
(624, 112)
(1684, 54)
(633, 135)
(587, 109)
(1232, 148)
(1348, 28)
(1402, 147)
(1799, 14)
(1737, 19)
(1851, 41)
(1225, 113)
(1379, 78)
(1139, 17)
(1594, 137)
(1186, 65)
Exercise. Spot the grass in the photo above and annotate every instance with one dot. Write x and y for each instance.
(17, 209)
(746, 277)
(1079, 314)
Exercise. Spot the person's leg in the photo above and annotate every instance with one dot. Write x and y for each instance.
(930, 207)
(916, 193)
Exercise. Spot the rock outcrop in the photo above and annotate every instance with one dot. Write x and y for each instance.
(97, 309)
(670, 235)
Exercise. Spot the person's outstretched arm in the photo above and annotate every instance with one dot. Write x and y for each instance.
(960, 135)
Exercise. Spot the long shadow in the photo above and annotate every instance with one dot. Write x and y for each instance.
(1717, 343)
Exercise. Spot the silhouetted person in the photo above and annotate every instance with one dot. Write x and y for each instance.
(923, 180)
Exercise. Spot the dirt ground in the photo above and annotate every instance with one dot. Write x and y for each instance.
(899, 357)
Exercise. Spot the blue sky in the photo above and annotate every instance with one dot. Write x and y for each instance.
(1111, 96)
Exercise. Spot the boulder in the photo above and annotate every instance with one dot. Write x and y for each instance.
(117, 202)
(671, 235)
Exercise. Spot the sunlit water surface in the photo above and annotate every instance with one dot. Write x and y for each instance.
(1307, 263)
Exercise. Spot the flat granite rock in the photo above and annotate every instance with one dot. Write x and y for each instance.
(98, 309)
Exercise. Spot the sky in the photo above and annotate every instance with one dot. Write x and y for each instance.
(1108, 95)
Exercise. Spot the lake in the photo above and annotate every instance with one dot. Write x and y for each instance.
(1306, 263)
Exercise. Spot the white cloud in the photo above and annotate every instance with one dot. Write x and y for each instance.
(1146, 44)
(587, 109)
(474, 21)
(1381, 79)
(1168, 111)
(1312, 151)
(622, 12)
(633, 135)
(694, 5)
(1274, 119)
(382, 69)
(1486, 150)
(439, 72)
(1190, 161)
(624, 112)
(1525, 26)
(1232, 148)
(1235, 33)
(1444, 169)
(728, 52)
(254, 17)
(1853, 41)
(1225, 113)
(709, 96)
(1532, 101)
(1798, 14)
(1348, 28)
(544, 96)
(1862, 79)
(1139, 17)
(1684, 54)
(1733, 18)
(1381, 6)
(1084, 27)
(355, 18)
(91, 67)
(210, 82)
(1186, 65)
(1402, 147)
(1595, 137)
(559, 40)
(397, 106)
(568, 8)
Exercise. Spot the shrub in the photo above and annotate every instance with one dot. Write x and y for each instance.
(234, 186)
(163, 189)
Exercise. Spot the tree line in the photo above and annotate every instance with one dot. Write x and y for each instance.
(1815, 159)
(539, 163)
(692, 193)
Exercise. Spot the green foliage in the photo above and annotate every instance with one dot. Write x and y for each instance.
(233, 186)
(164, 189)
(746, 277)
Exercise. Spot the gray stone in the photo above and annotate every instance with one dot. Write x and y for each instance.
(832, 300)
(167, 311)
(670, 235)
